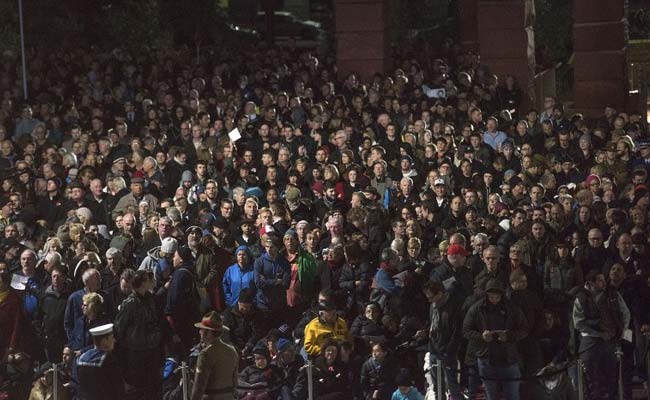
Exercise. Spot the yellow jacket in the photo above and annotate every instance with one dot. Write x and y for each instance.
(317, 332)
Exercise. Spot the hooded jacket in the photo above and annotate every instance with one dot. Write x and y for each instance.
(481, 317)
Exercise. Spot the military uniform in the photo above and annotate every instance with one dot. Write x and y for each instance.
(216, 372)
(99, 376)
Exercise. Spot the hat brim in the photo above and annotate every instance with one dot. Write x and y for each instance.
(201, 326)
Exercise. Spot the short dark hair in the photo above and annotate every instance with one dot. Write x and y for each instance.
(140, 277)
(433, 286)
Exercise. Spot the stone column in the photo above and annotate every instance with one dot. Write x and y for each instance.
(599, 39)
(362, 37)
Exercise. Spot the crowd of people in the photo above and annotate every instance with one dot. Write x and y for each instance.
(284, 230)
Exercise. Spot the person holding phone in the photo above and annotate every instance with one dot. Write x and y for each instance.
(493, 326)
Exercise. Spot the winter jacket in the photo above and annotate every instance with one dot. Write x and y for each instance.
(137, 325)
(73, 318)
(157, 264)
(363, 327)
(481, 317)
(379, 376)
(347, 282)
(52, 311)
(562, 275)
(245, 329)
(328, 380)
(182, 298)
(445, 326)
(317, 332)
(464, 282)
(234, 280)
(271, 295)
(267, 379)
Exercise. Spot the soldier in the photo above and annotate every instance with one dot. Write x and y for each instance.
(217, 364)
(98, 369)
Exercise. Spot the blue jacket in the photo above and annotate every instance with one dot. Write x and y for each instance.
(270, 293)
(384, 281)
(73, 320)
(234, 280)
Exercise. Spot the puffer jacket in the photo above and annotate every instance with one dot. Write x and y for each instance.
(137, 325)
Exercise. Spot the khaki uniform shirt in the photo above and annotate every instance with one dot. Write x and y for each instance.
(218, 363)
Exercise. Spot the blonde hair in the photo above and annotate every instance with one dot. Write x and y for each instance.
(94, 301)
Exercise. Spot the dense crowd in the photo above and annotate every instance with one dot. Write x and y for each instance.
(252, 210)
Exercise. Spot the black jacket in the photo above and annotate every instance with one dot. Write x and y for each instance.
(52, 311)
(446, 321)
(480, 318)
(245, 330)
(137, 326)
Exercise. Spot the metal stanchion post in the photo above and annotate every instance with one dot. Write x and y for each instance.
(185, 380)
(310, 380)
(55, 381)
(580, 384)
(647, 364)
(439, 390)
(619, 357)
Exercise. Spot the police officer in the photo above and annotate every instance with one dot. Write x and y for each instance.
(98, 369)
(217, 364)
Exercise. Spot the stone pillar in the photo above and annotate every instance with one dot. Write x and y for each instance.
(506, 41)
(466, 15)
(362, 37)
(599, 41)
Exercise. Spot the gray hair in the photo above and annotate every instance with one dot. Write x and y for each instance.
(114, 253)
(89, 274)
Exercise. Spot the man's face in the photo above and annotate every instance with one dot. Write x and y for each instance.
(625, 245)
(226, 210)
(28, 262)
(77, 194)
(137, 189)
(494, 297)
(201, 169)
(164, 228)
(11, 232)
(58, 279)
(211, 190)
(456, 260)
(538, 231)
(128, 222)
(491, 260)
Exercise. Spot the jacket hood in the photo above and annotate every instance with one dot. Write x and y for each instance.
(154, 253)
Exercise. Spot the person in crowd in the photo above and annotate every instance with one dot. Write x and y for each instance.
(238, 276)
(98, 369)
(327, 325)
(217, 363)
(494, 326)
(328, 212)
(138, 331)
